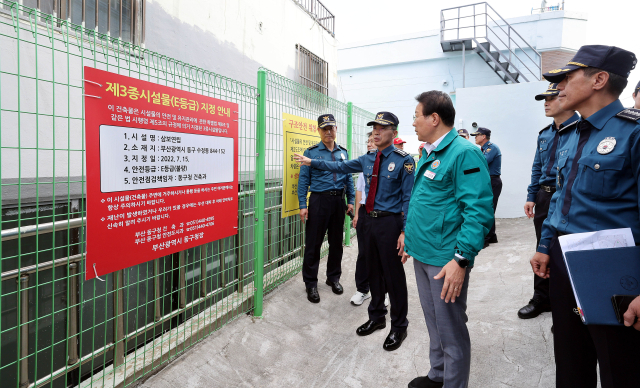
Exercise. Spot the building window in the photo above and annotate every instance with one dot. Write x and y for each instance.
(122, 19)
(311, 70)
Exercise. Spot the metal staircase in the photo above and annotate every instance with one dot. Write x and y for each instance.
(480, 28)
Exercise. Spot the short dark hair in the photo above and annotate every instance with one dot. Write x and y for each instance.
(369, 134)
(616, 84)
(438, 102)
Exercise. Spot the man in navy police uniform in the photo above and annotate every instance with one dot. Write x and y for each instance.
(597, 188)
(389, 178)
(326, 211)
(494, 159)
(543, 185)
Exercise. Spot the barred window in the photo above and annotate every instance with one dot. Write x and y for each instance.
(119, 18)
(311, 70)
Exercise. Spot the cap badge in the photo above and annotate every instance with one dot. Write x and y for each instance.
(325, 118)
(380, 115)
(392, 166)
(607, 145)
(435, 164)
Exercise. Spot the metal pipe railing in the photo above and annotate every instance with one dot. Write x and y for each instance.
(49, 227)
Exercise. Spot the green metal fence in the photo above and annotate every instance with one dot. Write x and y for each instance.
(57, 330)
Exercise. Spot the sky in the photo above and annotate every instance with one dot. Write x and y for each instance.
(612, 22)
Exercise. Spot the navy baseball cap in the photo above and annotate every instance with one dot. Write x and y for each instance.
(482, 131)
(462, 132)
(608, 58)
(552, 90)
(637, 87)
(324, 120)
(385, 118)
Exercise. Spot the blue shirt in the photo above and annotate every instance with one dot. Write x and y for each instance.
(319, 181)
(395, 180)
(494, 157)
(604, 194)
(541, 172)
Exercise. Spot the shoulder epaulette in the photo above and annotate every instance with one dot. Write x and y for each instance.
(569, 126)
(399, 151)
(312, 147)
(630, 114)
(544, 129)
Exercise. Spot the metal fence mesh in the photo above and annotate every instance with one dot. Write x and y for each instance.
(57, 330)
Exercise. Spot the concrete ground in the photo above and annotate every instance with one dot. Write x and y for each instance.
(299, 344)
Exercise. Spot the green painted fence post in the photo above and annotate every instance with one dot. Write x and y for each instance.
(347, 220)
(261, 134)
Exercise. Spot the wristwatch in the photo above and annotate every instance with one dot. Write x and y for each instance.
(463, 263)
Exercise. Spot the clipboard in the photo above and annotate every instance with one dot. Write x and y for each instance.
(596, 275)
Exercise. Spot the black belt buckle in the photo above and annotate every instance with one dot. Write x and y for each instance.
(548, 189)
(374, 214)
(333, 192)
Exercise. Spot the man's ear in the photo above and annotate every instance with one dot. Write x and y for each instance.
(435, 119)
(599, 80)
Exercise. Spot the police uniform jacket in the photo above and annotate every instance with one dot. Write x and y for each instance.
(604, 194)
(395, 179)
(494, 158)
(451, 208)
(543, 171)
(318, 181)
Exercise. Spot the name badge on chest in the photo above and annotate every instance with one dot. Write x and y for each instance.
(430, 174)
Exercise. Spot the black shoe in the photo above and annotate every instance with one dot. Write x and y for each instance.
(486, 244)
(493, 239)
(312, 295)
(533, 309)
(394, 340)
(336, 287)
(369, 327)
(551, 329)
(425, 382)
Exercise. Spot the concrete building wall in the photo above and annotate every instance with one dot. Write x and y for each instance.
(236, 37)
(514, 118)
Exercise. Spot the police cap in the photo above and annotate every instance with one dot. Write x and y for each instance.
(385, 118)
(552, 90)
(608, 58)
(637, 87)
(482, 131)
(326, 119)
(463, 132)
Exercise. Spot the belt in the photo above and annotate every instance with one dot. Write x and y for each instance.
(378, 214)
(330, 192)
(495, 176)
(548, 189)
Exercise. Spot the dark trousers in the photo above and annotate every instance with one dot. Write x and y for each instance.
(496, 187)
(386, 271)
(362, 272)
(541, 285)
(579, 348)
(326, 215)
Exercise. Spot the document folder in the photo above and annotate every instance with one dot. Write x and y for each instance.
(597, 275)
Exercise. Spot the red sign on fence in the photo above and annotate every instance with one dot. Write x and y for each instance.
(162, 170)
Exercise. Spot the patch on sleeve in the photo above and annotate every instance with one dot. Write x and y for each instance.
(471, 170)
(630, 114)
(409, 167)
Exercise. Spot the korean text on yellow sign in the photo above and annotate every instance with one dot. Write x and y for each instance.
(299, 133)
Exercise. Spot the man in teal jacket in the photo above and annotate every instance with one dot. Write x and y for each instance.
(450, 213)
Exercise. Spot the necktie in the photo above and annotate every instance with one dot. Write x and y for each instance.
(554, 147)
(334, 174)
(373, 187)
(585, 131)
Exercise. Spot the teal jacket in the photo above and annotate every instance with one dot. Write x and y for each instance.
(451, 206)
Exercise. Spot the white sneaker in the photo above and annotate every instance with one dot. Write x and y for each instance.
(386, 300)
(359, 298)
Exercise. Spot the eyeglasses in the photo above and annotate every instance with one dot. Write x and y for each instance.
(416, 117)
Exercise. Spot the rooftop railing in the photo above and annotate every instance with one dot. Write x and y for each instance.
(319, 13)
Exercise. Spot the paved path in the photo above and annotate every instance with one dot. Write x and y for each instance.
(299, 344)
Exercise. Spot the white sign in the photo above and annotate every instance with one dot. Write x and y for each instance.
(134, 159)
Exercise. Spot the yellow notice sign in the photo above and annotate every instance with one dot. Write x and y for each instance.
(299, 134)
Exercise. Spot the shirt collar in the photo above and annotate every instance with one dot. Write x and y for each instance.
(571, 120)
(486, 145)
(601, 117)
(445, 140)
(388, 150)
(324, 147)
